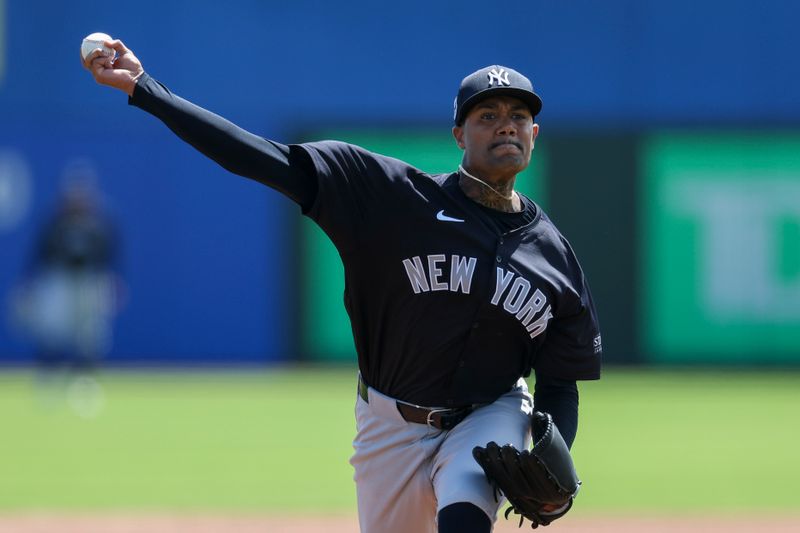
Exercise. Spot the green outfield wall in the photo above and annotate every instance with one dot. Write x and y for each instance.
(690, 240)
(721, 248)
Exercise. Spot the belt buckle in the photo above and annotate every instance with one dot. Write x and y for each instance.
(429, 418)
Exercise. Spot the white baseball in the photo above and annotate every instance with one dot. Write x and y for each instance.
(93, 42)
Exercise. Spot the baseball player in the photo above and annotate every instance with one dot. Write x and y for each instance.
(457, 287)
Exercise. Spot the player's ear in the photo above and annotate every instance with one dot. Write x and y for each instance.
(534, 134)
(458, 135)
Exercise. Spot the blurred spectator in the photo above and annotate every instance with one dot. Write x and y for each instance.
(68, 297)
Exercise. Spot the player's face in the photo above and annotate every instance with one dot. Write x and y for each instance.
(497, 137)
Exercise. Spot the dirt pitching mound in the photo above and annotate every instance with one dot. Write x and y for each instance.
(133, 523)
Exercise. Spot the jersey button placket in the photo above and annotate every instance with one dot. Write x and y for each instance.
(500, 242)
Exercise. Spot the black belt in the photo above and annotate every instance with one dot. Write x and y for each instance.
(431, 416)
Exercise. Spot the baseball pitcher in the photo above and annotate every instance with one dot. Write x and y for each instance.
(457, 286)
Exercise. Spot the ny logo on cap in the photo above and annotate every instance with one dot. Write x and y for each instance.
(499, 77)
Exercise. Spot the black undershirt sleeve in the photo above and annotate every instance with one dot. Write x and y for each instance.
(287, 169)
(559, 397)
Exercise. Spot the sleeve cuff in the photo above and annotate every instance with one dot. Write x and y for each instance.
(138, 89)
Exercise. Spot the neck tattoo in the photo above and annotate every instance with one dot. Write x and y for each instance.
(508, 197)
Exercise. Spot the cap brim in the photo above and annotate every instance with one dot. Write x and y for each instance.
(530, 99)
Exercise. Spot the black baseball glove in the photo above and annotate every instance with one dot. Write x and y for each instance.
(540, 484)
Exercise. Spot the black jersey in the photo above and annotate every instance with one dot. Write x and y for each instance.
(449, 306)
(447, 309)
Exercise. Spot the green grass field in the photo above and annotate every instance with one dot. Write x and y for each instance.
(279, 440)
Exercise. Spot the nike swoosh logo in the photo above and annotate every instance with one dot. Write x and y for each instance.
(444, 218)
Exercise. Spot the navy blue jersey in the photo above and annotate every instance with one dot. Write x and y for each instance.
(445, 308)
(450, 301)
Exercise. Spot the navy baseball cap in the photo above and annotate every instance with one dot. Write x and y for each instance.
(492, 81)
